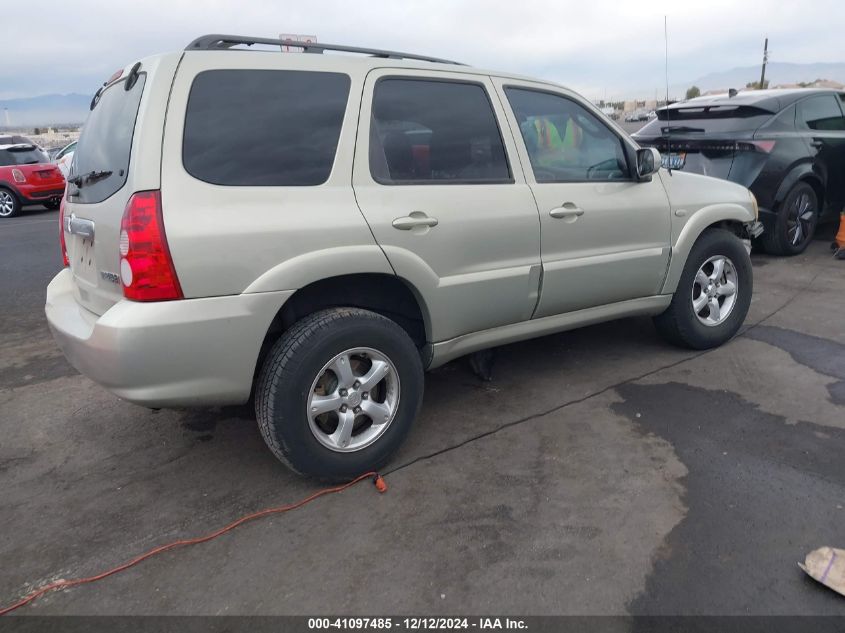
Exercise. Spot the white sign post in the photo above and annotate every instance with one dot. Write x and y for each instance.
(287, 37)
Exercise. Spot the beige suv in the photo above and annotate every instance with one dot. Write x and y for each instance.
(314, 231)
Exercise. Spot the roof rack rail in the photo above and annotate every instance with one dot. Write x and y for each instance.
(215, 42)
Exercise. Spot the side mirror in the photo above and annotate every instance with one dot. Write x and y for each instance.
(648, 162)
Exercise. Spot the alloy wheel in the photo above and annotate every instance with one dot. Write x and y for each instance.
(353, 399)
(714, 290)
(799, 219)
(7, 204)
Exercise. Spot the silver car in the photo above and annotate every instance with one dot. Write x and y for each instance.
(314, 231)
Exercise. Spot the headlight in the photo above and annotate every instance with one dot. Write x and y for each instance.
(754, 204)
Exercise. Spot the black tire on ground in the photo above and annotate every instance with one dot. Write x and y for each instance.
(679, 324)
(293, 364)
(10, 206)
(779, 239)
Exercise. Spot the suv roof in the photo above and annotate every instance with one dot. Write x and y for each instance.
(773, 99)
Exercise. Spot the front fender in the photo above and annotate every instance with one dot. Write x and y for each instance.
(693, 228)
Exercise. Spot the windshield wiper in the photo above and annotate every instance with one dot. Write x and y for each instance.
(91, 176)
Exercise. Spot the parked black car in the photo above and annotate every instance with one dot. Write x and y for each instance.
(787, 146)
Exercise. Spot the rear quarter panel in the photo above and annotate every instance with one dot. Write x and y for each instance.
(232, 239)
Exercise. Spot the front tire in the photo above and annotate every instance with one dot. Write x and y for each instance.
(795, 223)
(338, 393)
(713, 293)
(10, 206)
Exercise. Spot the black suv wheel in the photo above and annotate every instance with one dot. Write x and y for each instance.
(795, 224)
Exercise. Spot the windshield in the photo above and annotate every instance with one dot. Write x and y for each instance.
(22, 155)
(106, 141)
(705, 120)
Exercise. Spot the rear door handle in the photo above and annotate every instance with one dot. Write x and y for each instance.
(413, 220)
(567, 210)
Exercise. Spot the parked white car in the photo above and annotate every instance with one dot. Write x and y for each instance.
(64, 157)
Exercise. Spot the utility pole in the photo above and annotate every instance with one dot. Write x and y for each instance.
(765, 59)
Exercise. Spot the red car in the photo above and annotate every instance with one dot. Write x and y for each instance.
(27, 177)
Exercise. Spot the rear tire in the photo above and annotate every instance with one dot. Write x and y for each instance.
(376, 388)
(795, 222)
(718, 270)
(10, 206)
(52, 204)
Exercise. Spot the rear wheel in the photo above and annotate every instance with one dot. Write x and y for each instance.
(713, 293)
(339, 392)
(10, 206)
(795, 222)
(52, 204)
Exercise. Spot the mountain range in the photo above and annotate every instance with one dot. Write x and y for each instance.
(776, 72)
(52, 109)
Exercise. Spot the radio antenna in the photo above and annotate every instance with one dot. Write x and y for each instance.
(668, 124)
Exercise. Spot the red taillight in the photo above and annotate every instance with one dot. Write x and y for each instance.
(17, 174)
(146, 268)
(764, 146)
(65, 260)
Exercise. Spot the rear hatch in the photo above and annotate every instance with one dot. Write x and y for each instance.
(44, 175)
(704, 139)
(99, 186)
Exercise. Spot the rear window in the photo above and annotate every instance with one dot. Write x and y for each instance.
(106, 141)
(264, 127)
(22, 155)
(706, 120)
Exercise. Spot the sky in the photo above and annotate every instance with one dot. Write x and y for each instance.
(603, 49)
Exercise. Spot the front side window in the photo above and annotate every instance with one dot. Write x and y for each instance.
(435, 132)
(264, 127)
(565, 142)
(822, 113)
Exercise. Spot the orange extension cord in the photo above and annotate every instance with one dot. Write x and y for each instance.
(378, 480)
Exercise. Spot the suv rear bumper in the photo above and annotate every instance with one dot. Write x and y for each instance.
(163, 354)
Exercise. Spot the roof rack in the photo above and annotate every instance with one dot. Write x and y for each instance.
(215, 42)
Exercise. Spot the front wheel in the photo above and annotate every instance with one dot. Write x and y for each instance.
(713, 293)
(338, 393)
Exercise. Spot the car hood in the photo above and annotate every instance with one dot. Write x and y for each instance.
(693, 192)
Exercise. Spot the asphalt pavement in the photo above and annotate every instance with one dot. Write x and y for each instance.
(602, 471)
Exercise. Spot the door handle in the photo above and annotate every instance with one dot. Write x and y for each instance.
(413, 220)
(567, 210)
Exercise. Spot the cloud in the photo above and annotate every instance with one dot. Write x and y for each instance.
(598, 48)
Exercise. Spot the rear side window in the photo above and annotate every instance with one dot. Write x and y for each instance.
(822, 113)
(435, 132)
(264, 127)
(106, 141)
